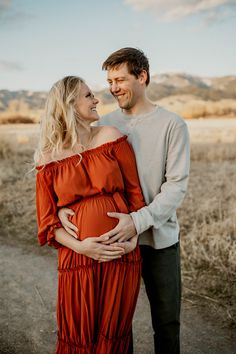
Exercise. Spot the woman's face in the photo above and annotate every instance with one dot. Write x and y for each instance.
(86, 103)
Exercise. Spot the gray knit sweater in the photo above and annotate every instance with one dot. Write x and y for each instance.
(161, 144)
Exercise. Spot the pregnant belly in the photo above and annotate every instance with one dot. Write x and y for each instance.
(91, 215)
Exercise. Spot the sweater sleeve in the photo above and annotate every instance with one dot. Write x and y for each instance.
(174, 187)
(46, 207)
(124, 154)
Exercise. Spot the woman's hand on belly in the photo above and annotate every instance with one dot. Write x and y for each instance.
(94, 247)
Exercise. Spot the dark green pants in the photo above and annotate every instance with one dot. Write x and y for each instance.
(162, 279)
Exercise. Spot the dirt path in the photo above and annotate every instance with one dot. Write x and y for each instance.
(27, 317)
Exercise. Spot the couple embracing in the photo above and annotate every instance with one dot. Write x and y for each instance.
(106, 196)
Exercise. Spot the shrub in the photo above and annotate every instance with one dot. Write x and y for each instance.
(16, 119)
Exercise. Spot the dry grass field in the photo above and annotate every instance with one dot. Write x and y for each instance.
(207, 216)
(190, 106)
(186, 105)
(208, 224)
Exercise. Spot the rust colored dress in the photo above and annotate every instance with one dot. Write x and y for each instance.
(96, 301)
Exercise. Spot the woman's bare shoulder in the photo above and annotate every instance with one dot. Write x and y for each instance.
(108, 133)
(45, 159)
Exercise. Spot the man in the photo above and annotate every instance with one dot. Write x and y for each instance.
(161, 144)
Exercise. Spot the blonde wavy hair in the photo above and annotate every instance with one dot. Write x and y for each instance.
(60, 122)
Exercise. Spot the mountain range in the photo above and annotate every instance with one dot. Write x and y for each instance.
(161, 86)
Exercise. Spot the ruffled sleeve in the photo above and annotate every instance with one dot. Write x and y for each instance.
(46, 207)
(124, 154)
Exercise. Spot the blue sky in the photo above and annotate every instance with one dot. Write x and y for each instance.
(42, 41)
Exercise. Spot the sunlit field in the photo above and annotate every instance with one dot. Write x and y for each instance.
(207, 216)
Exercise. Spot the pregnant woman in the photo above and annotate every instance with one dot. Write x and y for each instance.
(91, 170)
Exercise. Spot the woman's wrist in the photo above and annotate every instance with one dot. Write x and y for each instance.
(67, 240)
(78, 247)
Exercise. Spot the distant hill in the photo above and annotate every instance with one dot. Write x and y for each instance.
(215, 88)
(10, 100)
(165, 85)
(162, 88)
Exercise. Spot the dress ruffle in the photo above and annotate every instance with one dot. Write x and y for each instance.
(103, 147)
(102, 345)
(48, 236)
(51, 236)
(97, 292)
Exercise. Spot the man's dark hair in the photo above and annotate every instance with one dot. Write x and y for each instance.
(134, 58)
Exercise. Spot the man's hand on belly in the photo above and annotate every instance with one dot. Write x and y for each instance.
(124, 230)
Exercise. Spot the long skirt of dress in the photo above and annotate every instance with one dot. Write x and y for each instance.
(96, 301)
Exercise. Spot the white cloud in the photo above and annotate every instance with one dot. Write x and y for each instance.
(7, 65)
(4, 5)
(171, 10)
(10, 15)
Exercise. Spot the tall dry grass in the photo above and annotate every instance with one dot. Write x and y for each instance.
(190, 106)
(208, 226)
(17, 195)
(207, 218)
(16, 119)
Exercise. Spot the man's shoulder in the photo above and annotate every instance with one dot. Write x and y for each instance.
(171, 118)
(106, 119)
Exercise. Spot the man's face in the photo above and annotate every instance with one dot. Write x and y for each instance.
(126, 88)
